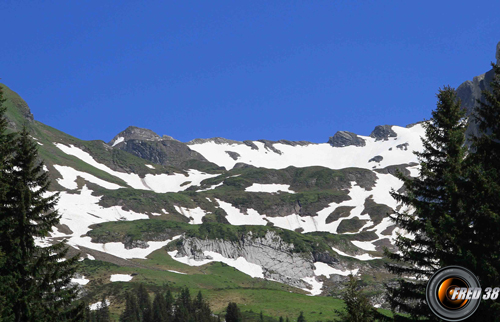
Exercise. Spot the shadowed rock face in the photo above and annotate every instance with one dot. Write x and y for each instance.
(376, 158)
(383, 132)
(471, 91)
(344, 138)
(136, 133)
(150, 146)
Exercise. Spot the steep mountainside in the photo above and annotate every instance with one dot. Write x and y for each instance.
(229, 217)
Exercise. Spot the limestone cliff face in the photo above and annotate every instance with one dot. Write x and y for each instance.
(471, 91)
(276, 257)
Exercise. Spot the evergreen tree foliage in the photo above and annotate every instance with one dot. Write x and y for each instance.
(169, 302)
(233, 313)
(301, 317)
(40, 276)
(433, 208)
(358, 307)
(144, 304)
(6, 152)
(160, 312)
(481, 243)
(131, 312)
(166, 308)
(102, 312)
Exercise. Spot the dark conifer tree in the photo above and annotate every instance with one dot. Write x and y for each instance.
(102, 313)
(301, 317)
(160, 312)
(6, 152)
(169, 303)
(358, 307)
(41, 275)
(183, 306)
(131, 312)
(233, 313)
(481, 244)
(433, 211)
(144, 304)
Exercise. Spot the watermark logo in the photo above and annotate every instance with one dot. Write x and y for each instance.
(453, 293)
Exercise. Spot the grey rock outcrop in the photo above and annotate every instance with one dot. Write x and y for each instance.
(234, 155)
(383, 132)
(403, 146)
(277, 258)
(251, 145)
(242, 165)
(135, 133)
(470, 91)
(148, 145)
(344, 138)
(216, 140)
(376, 158)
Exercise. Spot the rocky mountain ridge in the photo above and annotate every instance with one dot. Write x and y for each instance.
(297, 216)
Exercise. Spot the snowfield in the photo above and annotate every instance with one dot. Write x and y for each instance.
(80, 209)
(318, 154)
(270, 188)
(158, 183)
(240, 263)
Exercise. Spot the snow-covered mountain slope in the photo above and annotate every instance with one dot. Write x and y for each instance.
(394, 150)
(261, 207)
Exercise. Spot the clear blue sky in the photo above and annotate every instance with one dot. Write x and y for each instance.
(296, 70)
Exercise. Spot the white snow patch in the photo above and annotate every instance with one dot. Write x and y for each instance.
(173, 183)
(90, 257)
(121, 278)
(196, 215)
(239, 263)
(69, 176)
(327, 270)
(270, 188)
(150, 166)
(414, 171)
(364, 257)
(82, 280)
(316, 286)
(159, 183)
(172, 271)
(211, 187)
(45, 168)
(318, 154)
(79, 211)
(236, 217)
(119, 140)
(97, 305)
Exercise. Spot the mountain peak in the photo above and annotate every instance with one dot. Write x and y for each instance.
(137, 133)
